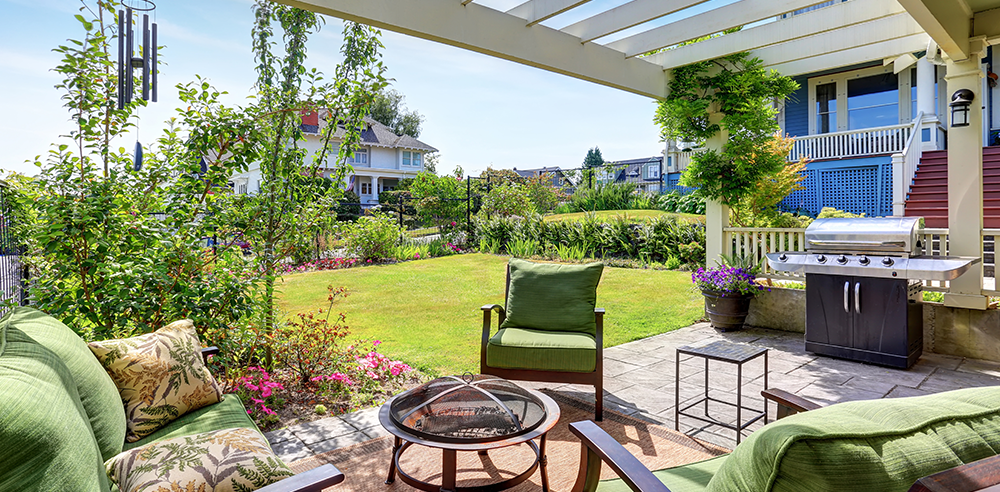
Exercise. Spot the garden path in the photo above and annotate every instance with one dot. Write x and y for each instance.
(639, 381)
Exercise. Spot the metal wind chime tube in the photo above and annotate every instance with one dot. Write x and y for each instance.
(127, 62)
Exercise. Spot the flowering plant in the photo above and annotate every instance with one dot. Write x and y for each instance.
(727, 279)
(258, 391)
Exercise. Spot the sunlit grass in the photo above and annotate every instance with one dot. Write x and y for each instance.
(427, 313)
(637, 215)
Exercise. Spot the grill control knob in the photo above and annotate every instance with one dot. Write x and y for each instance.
(783, 257)
(821, 258)
(864, 261)
(842, 259)
(887, 261)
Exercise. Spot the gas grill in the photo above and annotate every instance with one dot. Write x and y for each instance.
(863, 289)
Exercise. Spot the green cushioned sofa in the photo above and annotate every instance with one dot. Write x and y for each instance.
(942, 442)
(61, 416)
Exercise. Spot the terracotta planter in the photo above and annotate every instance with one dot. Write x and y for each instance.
(726, 311)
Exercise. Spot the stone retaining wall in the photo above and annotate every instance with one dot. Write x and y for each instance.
(779, 309)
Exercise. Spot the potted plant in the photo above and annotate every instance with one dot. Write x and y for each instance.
(728, 289)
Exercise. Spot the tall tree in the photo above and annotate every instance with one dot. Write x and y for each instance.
(388, 109)
(594, 158)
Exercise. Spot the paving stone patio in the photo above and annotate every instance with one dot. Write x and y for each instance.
(639, 381)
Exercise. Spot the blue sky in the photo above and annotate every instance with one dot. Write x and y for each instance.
(479, 111)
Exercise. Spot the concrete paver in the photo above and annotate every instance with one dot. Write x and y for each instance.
(639, 381)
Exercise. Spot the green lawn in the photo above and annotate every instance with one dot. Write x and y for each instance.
(607, 215)
(427, 312)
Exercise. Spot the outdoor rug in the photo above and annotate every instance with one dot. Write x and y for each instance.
(366, 464)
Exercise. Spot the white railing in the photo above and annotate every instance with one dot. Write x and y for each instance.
(904, 167)
(852, 143)
(679, 160)
(756, 242)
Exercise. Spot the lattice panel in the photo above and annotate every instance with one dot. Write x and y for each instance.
(805, 199)
(852, 190)
(670, 183)
(886, 201)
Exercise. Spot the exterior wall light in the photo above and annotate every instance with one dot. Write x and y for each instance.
(960, 102)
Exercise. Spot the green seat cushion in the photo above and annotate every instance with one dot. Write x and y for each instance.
(46, 442)
(520, 348)
(552, 297)
(693, 477)
(883, 445)
(227, 414)
(96, 389)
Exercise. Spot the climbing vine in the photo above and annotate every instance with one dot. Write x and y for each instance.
(743, 92)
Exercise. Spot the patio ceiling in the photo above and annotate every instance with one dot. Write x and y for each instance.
(596, 48)
(949, 21)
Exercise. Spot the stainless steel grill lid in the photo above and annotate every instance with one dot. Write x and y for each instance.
(467, 410)
(872, 247)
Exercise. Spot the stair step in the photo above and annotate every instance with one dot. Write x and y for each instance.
(930, 187)
(922, 196)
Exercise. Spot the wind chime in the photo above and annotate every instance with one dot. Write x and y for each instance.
(128, 62)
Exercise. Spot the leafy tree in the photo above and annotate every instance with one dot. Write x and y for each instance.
(741, 89)
(431, 162)
(290, 202)
(506, 200)
(388, 109)
(759, 207)
(440, 199)
(594, 158)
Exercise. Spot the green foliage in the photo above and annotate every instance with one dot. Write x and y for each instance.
(388, 108)
(832, 213)
(506, 200)
(349, 206)
(310, 344)
(373, 237)
(439, 199)
(672, 263)
(611, 196)
(593, 158)
(742, 91)
(523, 248)
(746, 263)
(690, 203)
(759, 207)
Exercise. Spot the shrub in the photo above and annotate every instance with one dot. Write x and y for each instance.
(830, 212)
(373, 237)
(523, 248)
(310, 346)
(259, 392)
(611, 196)
(506, 200)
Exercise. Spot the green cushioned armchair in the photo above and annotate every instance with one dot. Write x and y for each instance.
(946, 442)
(550, 329)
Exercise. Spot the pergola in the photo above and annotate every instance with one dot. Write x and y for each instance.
(835, 36)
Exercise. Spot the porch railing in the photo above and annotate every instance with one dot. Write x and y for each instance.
(852, 143)
(904, 167)
(679, 160)
(756, 242)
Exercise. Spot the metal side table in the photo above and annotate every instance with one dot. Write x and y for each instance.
(732, 353)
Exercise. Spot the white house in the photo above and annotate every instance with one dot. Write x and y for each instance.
(380, 161)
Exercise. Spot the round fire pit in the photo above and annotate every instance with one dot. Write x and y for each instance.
(469, 413)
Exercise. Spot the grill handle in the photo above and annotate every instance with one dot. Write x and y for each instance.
(847, 291)
(857, 244)
(857, 297)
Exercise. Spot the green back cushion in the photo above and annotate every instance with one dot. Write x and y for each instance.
(96, 389)
(883, 445)
(552, 297)
(46, 442)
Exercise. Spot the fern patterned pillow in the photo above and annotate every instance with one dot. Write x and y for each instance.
(230, 460)
(160, 376)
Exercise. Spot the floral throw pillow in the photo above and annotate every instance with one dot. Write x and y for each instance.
(160, 376)
(230, 460)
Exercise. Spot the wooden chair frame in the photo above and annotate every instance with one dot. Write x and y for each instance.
(314, 480)
(597, 447)
(595, 378)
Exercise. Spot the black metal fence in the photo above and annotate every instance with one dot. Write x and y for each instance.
(13, 270)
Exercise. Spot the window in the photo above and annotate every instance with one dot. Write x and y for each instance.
(826, 108)
(360, 157)
(873, 101)
(416, 159)
(653, 171)
(366, 188)
(411, 158)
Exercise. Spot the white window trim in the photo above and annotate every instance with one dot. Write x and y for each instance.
(903, 92)
(652, 171)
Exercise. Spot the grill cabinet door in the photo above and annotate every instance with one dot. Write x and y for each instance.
(880, 318)
(828, 321)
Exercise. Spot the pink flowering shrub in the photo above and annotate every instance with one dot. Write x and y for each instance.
(258, 391)
(323, 264)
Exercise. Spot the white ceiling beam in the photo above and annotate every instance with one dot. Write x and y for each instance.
(491, 32)
(946, 21)
(799, 26)
(868, 33)
(535, 11)
(895, 47)
(987, 24)
(625, 16)
(713, 21)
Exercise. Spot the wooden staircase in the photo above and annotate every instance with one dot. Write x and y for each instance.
(928, 197)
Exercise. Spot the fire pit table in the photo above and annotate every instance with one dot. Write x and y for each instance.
(469, 413)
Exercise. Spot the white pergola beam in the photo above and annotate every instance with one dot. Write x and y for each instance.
(895, 47)
(625, 16)
(713, 21)
(491, 32)
(987, 24)
(946, 21)
(535, 11)
(858, 35)
(796, 27)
